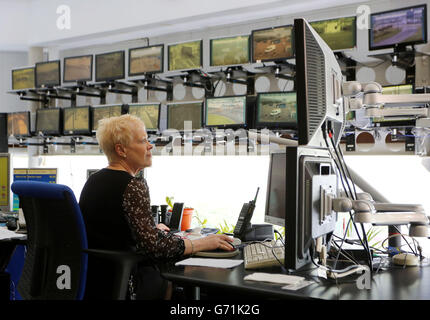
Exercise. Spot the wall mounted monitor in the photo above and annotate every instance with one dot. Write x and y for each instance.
(5, 181)
(399, 89)
(178, 113)
(48, 121)
(185, 56)
(229, 51)
(225, 112)
(110, 66)
(78, 68)
(148, 113)
(276, 110)
(77, 120)
(400, 27)
(23, 78)
(48, 74)
(276, 188)
(272, 44)
(339, 34)
(103, 112)
(18, 124)
(145, 60)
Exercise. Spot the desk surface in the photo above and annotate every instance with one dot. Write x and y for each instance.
(395, 283)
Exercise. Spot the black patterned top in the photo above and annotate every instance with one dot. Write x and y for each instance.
(117, 213)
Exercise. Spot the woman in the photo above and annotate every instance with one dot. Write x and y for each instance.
(116, 205)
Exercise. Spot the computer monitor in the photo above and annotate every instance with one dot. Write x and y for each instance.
(178, 113)
(272, 44)
(398, 28)
(78, 69)
(149, 113)
(18, 124)
(145, 60)
(110, 66)
(229, 51)
(48, 74)
(275, 194)
(4, 182)
(399, 89)
(276, 110)
(185, 56)
(105, 111)
(77, 120)
(48, 121)
(23, 78)
(225, 112)
(339, 34)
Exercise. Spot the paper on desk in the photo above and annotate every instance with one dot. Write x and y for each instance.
(205, 262)
(6, 234)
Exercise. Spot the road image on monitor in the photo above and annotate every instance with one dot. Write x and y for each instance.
(110, 66)
(225, 111)
(48, 121)
(48, 74)
(277, 107)
(105, 112)
(23, 79)
(229, 51)
(185, 56)
(76, 119)
(395, 27)
(177, 114)
(272, 44)
(145, 60)
(148, 113)
(339, 34)
(18, 124)
(78, 68)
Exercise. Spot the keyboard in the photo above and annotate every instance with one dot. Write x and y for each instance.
(260, 254)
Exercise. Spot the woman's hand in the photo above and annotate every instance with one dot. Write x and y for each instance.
(211, 242)
(163, 227)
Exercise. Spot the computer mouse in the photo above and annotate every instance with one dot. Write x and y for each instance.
(405, 259)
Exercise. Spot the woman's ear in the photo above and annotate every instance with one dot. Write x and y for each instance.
(120, 150)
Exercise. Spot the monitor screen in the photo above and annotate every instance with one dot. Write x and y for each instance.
(78, 68)
(272, 44)
(339, 34)
(275, 194)
(229, 51)
(104, 112)
(185, 56)
(48, 74)
(110, 66)
(48, 121)
(4, 182)
(400, 89)
(145, 60)
(178, 113)
(148, 113)
(226, 111)
(277, 109)
(77, 120)
(23, 78)
(398, 27)
(18, 124)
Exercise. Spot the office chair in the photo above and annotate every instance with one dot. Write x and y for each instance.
(56, 263)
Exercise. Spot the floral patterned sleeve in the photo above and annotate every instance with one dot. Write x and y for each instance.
(153, 242)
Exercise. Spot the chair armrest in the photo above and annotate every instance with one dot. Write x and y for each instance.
(115, 255)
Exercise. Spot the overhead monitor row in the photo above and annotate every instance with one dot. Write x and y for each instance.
(273, 110)
(406, 26)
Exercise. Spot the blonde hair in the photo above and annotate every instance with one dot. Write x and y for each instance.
(116, 130)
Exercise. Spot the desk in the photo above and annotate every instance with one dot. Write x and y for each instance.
(396, 283)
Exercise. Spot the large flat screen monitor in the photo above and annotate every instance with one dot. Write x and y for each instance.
(18, 124)
(339, 34)
(110, 66)
(78, 68)
(23, 78)
(229, 51)
(149, 113)
(145, 60)
(48, 74)
(276, 110)
(4, 182)
(225, 112)
(185, 56)
(77, 120)
(400, 27)
(48, 121)
(275, 194)
(103, 112)
(272, 44)
(178, 113)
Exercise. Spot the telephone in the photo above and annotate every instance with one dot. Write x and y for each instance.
(244, 221)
